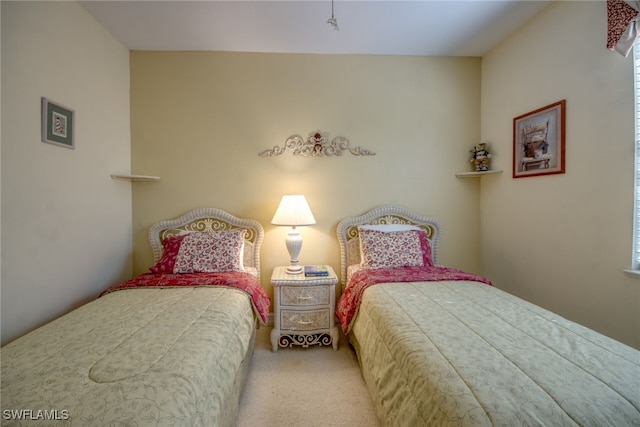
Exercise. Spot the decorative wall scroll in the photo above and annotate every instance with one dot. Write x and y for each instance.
(316, 145)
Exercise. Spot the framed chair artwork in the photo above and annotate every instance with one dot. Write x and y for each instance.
(539, 141)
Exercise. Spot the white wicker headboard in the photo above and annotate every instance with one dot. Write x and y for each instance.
(348, 232)
(210, 219)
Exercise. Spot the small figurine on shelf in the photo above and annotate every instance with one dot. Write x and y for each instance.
(480, 158)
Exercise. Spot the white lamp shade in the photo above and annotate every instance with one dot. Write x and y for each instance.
(293, 210)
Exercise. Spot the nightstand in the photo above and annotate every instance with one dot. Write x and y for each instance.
(304, 309)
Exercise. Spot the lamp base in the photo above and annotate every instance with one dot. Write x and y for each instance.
(294, 244)
(294, 269)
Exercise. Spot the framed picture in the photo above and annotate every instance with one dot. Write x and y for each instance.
(538, 141)
(58, 123)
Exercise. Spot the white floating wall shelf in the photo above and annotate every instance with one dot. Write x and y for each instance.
(476, 174)
(136, 178)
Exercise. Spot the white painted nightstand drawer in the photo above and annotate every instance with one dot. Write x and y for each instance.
(308, 320)
(304, 295)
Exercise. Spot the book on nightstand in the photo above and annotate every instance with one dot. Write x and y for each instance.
(315, 271)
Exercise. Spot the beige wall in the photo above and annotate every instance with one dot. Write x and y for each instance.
(199, 120)
(563, 241)
(66, 225)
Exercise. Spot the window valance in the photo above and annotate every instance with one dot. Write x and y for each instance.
(622, 25)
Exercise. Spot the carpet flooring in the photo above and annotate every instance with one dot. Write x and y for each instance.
(302, 387)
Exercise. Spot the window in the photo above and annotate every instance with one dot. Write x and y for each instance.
(635, 263)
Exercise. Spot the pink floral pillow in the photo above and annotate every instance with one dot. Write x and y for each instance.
(170, 248)
(211, 252)
(202, 252)
(393, 249)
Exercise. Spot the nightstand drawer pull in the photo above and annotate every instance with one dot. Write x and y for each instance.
(305, 322)
(305, 298)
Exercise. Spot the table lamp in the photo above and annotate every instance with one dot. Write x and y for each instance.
(293, 211)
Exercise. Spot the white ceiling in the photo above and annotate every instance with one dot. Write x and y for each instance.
(386, 27)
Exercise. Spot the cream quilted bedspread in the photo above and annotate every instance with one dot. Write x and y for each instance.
(463, 353)
(139, 357)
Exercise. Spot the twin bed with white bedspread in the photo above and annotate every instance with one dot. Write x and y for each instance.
(441, 347)
(169, 348)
